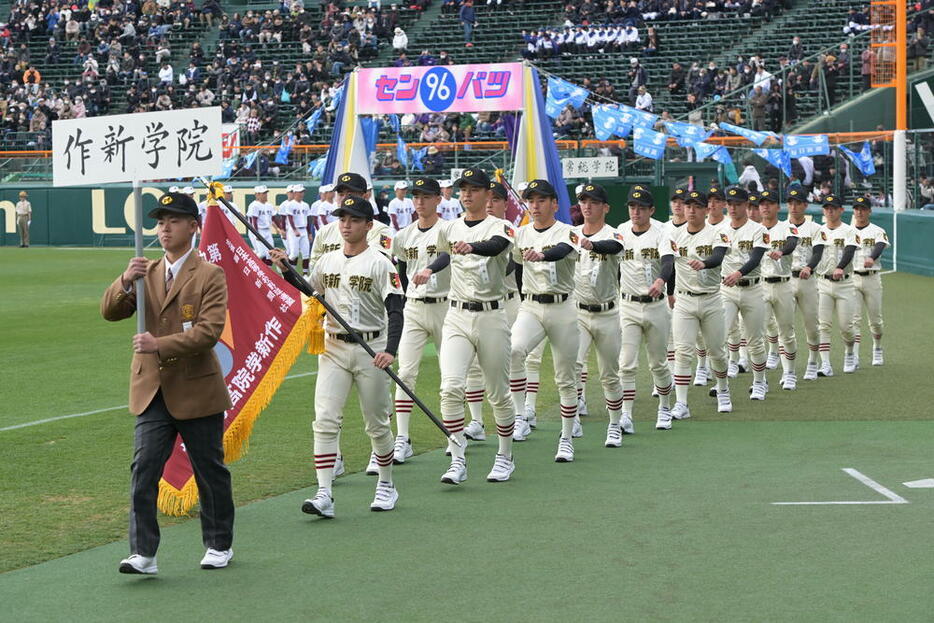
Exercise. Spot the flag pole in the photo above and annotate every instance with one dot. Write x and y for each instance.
(291, 275)
(138, 241)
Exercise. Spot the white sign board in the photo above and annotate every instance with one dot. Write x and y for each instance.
(607, 166)
(143, 146)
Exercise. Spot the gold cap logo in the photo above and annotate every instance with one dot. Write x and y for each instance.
(419, 182)
(636, 194)
(713, 190)
(589, 188)
(468, 173)
(533, 185)
(348, 202)
(733, 192)
(166, 200)
(345, 178)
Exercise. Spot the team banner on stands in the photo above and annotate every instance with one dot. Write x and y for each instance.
(264, 333)
(649, 143)
(778, 158)
(452, 88)
(798, 146)
(754, 136)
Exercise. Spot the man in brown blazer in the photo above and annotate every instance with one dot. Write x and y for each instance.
(176, 384)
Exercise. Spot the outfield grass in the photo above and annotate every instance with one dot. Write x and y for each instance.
(680, 520)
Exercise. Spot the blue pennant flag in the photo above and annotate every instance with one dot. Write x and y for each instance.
(418, 156)
(649, 143)
(312, 122)
(394, 123)
(250, 159)
(316, 167)
(638, 118)
(285, 148)
(339, 95)
(862, 160)
(560, 94)
(604, 122)
(704, 150)
(778, 158)
(226, 170)
(687, 133)
(370, 127)
(722, 155)
(797, 146)
(402, 153)
(756, 137)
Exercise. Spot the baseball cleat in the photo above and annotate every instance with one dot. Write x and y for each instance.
(790, 382)
(475, 431)
(530, 417)
(216, 559)
(701, 376)
(849, 364)
(614, 436)
(521, 430)
(680, 411)
(732, 370)
(771, 362)
(385, 498)
(825, 370)
(565, 451)
(577, 430)
(877, 359)
(663, 421)
(457, 472)
(743, 365)
(810, 373)
(758, 391)
(503, 467)
(322, 505)
(339, 466)
(626, 423)
(372, 467)
(724, 402)
(402, 450)
(582, 407)
(138, 564)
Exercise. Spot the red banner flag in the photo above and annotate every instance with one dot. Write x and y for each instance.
(515, 210)
(263, 335)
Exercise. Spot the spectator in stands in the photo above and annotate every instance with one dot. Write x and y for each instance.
(868, 62)
(918, 51)
(651, 46)
(166, 74)
(676, 79)
(758, 103)
(796, 51)
(637, 77)
(468, 19)
(644, 100)
(400, 41)
(750, 178)
(32, 78)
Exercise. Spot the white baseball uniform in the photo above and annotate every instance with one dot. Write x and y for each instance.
(805, 290)
(868, 281)
(263, 213)
(450, 209)
(835, 297)
(404, 211)
(329, 239)
(779, 292)
(300, 211)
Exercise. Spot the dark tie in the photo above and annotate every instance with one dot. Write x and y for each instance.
(168, 281)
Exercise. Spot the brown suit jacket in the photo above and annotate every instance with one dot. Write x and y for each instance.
(185, 366)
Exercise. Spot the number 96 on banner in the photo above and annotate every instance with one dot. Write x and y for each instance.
(437, 89)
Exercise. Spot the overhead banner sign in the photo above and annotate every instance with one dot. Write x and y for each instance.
(452, 88)
(603, 166)
(142, 146)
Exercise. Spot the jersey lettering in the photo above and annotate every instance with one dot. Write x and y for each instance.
(331, 280)
(360, 283)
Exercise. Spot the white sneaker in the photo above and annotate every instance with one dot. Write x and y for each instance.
(577, 431)
(663, 421)
(771, 362)
(732, 370)
(339, 466)
(626, 423)
(457, 472)
(216, 559)
(530, 417)
(322, 505)
(372, 467)
(701, 376)
(680, 411)
(139, 564)
(503, 467)
(810, 373)
(758, 391)
(521, 430)
(743, 365)
(825, 370)
(614, 436)
(856, 360)
(582, 408)
(402, 450)
(385, 498)
(475, 431)
(791, 382)
(849, 364)
(877, 359)
(565, 451)
(724, 402)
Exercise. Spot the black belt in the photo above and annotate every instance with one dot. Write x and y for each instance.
(645, 298)
(775, 279)
(745, 283)
(865, 273)
(689, 293)
(830, 278)
(546, 299)
(597, 308)
(510, 296)
(346, 337)
(476, 306)
(428, 300)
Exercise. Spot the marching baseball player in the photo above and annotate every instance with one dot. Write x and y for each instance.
(401, 209)
(742, 289)
(596, 292)
(362, 284)
(675, 221)
(281, 218)
(646, 268)
(804, 260)
(866, 277)
(321, 210)
(776, 277)
(716, 204)
(699, 250)
(836, 294)
(260, 213)
(416, 250)
(449, 208)
(476, 324)
(300, 226)
(547, 252)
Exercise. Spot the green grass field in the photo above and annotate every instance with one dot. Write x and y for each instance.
(674, 526)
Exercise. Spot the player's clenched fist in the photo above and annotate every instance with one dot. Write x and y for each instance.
(383, 360)
(421, 277)
(531, 255)
(696, 264)
(279, 258)
(462, 248)
(134, 270)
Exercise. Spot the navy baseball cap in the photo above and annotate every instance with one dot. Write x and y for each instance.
(832, 201)
(796, 193)
(715, 192)
(498, 190)
(768, 195)
(593, 191)
(175, 203)
(753, 199)
(696, 197)
(639, 195)
(427, 186)
(862, 202)
(678, 194)
(475, 177)
(353, 182)
(737, 193)
(539, 187)
(355, 206)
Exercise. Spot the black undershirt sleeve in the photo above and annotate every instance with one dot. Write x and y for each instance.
(716, 259)
(668, 268)
(295, 280)
(557, 252)
(755, 257)
(607, 247)
(441, 262)
(394, 304)
(511, 266)
(848, 252)
(403, 274)
(790, 243)
(877, 251)
(519, 278)
(489, 248)
(816, 254)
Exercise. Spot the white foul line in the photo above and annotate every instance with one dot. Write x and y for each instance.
(892, 497)
(74, 415)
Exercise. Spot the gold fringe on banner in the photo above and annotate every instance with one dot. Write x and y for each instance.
(178, 502)
(316, 326)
